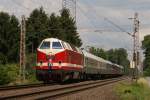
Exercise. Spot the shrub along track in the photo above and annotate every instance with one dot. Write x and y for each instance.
(61, 90)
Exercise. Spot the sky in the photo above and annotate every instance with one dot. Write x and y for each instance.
(94, 30)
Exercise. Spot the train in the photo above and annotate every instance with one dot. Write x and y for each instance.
(59, 61)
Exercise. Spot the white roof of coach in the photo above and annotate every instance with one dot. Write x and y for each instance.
(119, 66)
(89, 55)
(108, 62)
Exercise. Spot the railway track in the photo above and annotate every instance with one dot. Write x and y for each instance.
(14, 87)
(2, 88)
(55, 92)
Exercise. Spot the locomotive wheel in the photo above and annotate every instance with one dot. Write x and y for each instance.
(85, 77)
(46, 82)
(99, 76)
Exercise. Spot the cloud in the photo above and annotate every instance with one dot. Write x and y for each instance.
(90, 17)
(118, 12)
(20, 7)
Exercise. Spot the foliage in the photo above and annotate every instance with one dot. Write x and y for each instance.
(37, 24)
(146, 47)
(133, 91)
(147, 72)
(54, 27)
(99, 52)
(30, 63)
(118, 56)
(9, 38)
(8, 73)
(69, 28)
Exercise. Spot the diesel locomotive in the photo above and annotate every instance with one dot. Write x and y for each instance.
(58, 61)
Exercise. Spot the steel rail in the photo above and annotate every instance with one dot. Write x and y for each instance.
(15, 87)
(57, 92)
(75, 90)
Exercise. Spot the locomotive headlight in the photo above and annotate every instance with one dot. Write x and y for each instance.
(59, 63)
(41, 63)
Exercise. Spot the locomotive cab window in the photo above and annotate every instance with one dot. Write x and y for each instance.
(45, 45)
(56, 45)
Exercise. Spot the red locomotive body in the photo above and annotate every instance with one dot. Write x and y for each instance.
(55, 60)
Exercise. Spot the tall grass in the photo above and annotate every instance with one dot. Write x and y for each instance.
(133, 91)
(9, 73)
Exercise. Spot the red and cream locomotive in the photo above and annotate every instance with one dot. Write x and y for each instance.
(59, 61)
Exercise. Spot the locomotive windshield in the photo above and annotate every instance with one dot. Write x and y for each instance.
(56, 45)
(45, 45)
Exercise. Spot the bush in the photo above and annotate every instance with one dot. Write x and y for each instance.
(30, 72)
(147, 72)
(133, 91)
(8, 73)
(3, 59)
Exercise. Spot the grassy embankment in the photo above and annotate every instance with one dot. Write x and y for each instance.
(10, 75)
(133, 91)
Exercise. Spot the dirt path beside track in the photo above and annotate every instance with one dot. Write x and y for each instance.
(101, 93)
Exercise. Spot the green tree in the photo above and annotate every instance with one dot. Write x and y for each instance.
(69, 28)
(118, 56)
(9, 38)
(146, 47)
(54, 27)
(98, 52)
(112, 56)
(101, 53)
(122, 57)
(37, 28)
(93, 50)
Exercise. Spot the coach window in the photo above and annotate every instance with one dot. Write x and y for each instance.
(56, 45)
(86, 61)
(99, 64)
(45, 45)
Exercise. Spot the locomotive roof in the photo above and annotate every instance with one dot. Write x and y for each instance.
(51, 39)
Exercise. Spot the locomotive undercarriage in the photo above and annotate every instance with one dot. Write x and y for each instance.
(56, 75)
(62, 75)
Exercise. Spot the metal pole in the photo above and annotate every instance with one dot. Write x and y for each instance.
(136, 45)
(22, 49)
(71, 5)
(20, 52)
